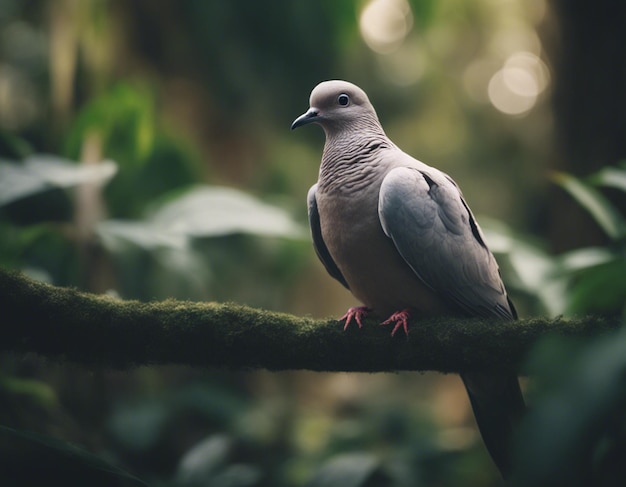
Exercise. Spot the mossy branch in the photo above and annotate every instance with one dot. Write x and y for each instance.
(66, 324)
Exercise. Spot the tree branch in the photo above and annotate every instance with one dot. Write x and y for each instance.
(66, 324)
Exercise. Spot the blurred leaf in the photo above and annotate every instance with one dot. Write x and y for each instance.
(531, 263)
(17, 182)
(350, 470)
(13, 147)
(580, 259)
(613, 177)
(123, 117)
(527, 266)
(28, 459)
(141, 424)
(152, 160)
(64, 173)
(563, 439)
(170, 165)
(600, 289)
(598, 275)
(207, 211)
(498, 235)
(42, 172)
(198, 464)
(424, 12)
(208, 463)
(116, 233)
(37, 390)
(41, 248)
(217, 404)
(139, 427)
(595, 203)
(204, 211)
(549, 362)
(237, 475)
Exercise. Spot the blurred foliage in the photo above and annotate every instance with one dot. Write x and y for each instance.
(598, 273)
(153, 161)
(161, 109)
(574, 435)
(28, 459)
(581, 281)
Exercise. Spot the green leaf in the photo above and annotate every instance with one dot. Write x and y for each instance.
(139, 427)
(115, 234)
(65, 173)
(612, 177)
(29, 459)
(123, 117)
(600, 289)
(526, 266)
(12, 146)
(210, 463)
(17, 183)
(37, 390)
(595, 203)
(210, 211)
(424, 12)
(42, 172)
(581, 259)
(204, 211)
(563, 438)
(350, 470)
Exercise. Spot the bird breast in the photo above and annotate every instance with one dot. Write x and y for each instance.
(377, 274)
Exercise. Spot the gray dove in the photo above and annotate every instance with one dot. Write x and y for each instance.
(399, 235)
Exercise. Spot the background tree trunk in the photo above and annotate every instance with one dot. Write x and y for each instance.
(588, 58)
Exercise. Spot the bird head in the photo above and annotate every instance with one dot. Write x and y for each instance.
(336, 105)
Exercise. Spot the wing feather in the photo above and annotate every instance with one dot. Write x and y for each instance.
(318, 241)
(424, 213)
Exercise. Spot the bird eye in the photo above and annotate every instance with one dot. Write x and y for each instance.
(343, 99)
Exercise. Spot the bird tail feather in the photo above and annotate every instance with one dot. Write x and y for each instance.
(498, 406)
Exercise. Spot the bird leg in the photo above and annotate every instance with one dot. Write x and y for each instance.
(356, 314)
(399, 319)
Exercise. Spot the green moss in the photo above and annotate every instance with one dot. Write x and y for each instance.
(66, 324)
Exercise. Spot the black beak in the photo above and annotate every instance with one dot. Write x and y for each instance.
(310, 116)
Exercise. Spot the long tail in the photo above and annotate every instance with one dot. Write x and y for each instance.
(498, 406)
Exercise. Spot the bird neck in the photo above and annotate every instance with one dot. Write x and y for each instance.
(366, 126)
(351, 156)
(349, 141)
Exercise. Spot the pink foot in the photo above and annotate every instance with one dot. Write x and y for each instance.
(356, 314)
(399, 319)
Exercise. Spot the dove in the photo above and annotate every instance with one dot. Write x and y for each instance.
(400, 236)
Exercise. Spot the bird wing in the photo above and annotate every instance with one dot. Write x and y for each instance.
(424, 213)
(318, 241)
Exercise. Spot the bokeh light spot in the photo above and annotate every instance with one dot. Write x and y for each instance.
(514, 89)
(533, 66)
(505, 100)
(384, 24)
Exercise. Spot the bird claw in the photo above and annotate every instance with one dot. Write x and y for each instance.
(357, 314)
(399, 319)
